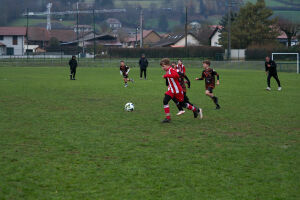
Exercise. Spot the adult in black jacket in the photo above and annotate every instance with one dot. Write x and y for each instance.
(73, 66)
(271, 71)
(143, 66)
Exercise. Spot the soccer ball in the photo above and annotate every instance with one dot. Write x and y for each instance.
(129, 107)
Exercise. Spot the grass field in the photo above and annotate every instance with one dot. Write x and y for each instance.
(63, 139)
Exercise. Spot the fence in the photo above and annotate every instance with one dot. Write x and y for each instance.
(133, 62)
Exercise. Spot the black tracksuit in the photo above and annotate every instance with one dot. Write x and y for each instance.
(73, 66)
(272, 72)
(143, 67)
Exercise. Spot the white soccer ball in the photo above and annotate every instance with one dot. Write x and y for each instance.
(129, 107)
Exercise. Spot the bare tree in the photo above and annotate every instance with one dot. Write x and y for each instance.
(289, 28)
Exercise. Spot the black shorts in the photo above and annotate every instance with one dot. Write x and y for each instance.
(210, 89)
(125, 76)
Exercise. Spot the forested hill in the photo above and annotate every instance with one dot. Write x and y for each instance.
(11, 10)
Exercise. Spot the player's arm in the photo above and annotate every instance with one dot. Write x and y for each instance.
(266, 68)
(128, 70)
(187, 81)
(218, 77)
(202, 77)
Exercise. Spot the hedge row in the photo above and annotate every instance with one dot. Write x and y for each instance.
(259, 53)
(200, 51)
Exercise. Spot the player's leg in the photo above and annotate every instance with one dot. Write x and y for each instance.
(209, 92)
(166, 100)
(71, 74)
(145, 74)
(278, 81)
(141, 73)
(186, 99)
(130, 80)
(179, 106)
(196, 111)
(74, 73)
(269, 82)
(125, 81)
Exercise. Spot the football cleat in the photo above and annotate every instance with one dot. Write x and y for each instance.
(218, 107)
(166, 120)
(180, 112)
(268, 88)
(279, 88)
(196, 113)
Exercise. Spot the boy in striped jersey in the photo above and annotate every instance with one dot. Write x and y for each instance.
(175, 92)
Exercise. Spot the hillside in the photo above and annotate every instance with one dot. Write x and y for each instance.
(289, 9)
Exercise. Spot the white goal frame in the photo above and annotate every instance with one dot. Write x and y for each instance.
(298, 66)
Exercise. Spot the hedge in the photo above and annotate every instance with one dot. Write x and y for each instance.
(259, 53)
(199, 51)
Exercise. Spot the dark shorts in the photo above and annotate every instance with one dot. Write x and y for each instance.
(210, 89)
(125, 76)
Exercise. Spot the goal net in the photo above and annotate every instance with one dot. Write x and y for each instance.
(287, 62)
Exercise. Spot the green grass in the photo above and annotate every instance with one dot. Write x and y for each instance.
(63, 139)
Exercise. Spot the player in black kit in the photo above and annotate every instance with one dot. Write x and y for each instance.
(208, 74)
(271, 71)
(124, 70)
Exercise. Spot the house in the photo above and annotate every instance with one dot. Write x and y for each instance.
(106, 40)
(113, 23)
(283, 39)
(82, 28)
(41, 36)
(215, 35)
(12, 40)
(178, 40)
(150, 37)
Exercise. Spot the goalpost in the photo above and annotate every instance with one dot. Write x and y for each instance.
(297, 63)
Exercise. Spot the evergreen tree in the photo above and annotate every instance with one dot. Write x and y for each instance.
(251, 26)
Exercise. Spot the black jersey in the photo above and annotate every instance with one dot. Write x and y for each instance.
(209, 76)
(124, 69)
(271, 67)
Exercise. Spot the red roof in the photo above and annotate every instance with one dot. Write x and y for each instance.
(42, 34)
(8, 31)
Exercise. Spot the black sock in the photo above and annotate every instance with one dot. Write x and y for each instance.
(215, 100)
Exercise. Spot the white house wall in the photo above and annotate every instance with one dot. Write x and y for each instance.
(19, 48)
(191, 40)
(215, 39)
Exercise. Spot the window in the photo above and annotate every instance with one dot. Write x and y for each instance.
(1, 37)
(15, 40)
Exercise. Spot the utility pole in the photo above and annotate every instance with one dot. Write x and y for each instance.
(141, 28)
(94, 24)
(49, 6)
(136, 34)
(186, 31)
(77, 34)
(229, 30)
(27, 26)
